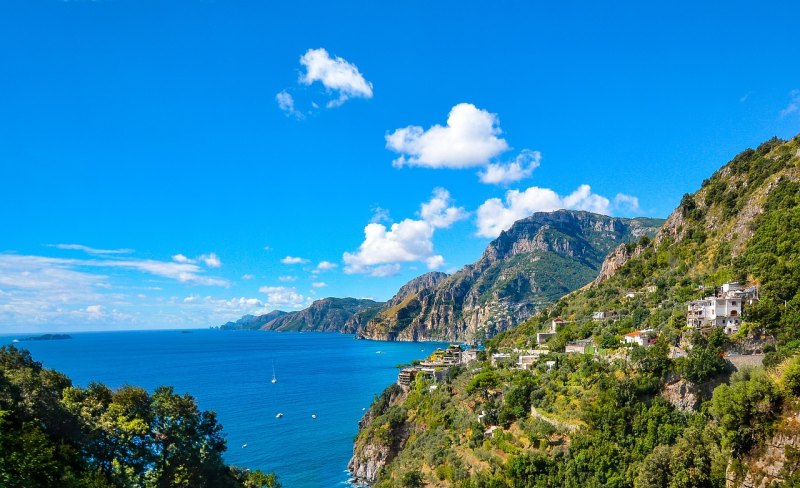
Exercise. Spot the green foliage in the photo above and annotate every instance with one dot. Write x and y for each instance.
(54, 434)
(745, 410)
(705, 359)
(601, 420)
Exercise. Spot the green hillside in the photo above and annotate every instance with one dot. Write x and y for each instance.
(670, 415)
(54, 434)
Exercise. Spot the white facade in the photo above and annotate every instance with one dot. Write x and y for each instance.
(639, 337)
(719, 312)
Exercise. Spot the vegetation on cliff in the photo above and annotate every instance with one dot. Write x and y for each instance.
(55, 434)
(605, 419)
(538, 260)
(345, 315)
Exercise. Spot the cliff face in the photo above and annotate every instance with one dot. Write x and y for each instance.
(377, 445)
(538, 260)
(774, 462)
(345, 315)
(252, 322)
(327, 315)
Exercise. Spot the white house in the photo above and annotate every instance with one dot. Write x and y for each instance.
(715, 311)
(604, 315)
(500, 357)
(642, 338)
(578, 347)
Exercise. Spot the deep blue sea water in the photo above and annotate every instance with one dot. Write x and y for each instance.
(330, 375)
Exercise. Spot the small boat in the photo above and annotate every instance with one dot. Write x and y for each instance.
(313, 415)
(274, 379)
(279, 416)
(244, 446)
(15, 340)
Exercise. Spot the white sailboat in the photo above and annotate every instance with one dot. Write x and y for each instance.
(274, 379)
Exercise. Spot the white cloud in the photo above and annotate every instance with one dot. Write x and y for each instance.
(287, 278)
(384, 248)
(406, 241)
(626, 203)
(520, 168)
(95, 309)
(267, 248)
(91, 250)
(286, 103)
(794, 103)
(439, 212)
(294, 260)
(180, 258)
(326, 266)
(319, 284)
(380, 215)
(469, 139)
(337, 75)
(495, 215)
(247, 276)
(282, 296)
(435, 262)
(211, 260)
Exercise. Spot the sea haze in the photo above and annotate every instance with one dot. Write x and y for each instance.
(329, 375)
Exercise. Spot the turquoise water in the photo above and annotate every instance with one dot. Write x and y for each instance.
(330, 375)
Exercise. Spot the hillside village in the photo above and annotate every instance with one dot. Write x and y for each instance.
(723, 309)
(646, 377)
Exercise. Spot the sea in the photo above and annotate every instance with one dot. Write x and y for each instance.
(331, 376)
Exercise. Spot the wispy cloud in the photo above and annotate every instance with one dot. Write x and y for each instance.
(794, 103)
(90, 250)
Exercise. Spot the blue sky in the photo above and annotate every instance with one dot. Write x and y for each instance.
(160, 161)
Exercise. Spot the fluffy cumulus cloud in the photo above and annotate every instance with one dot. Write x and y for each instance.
(520, 168)
(406, 241)
(496, 215)
(469, 139)
(336, 74)
(287, 278)
(410, 240)
(440, 212)
(294, 260)
(282, 297)
(319, 284)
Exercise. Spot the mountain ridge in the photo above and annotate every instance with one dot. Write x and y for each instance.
(539, 259)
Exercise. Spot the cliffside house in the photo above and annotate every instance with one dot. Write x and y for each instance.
(542, 337)
(604, 315)
(583, 346)
(643, 338)
(500, 358)
(724, 309)
(469, 356)
(528, 358)
(406, 377)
